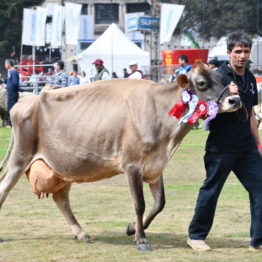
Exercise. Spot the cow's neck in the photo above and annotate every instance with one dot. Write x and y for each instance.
(167, 96)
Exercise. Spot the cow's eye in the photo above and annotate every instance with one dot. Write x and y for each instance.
(201, 83)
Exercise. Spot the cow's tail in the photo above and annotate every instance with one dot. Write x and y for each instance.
(7, 155)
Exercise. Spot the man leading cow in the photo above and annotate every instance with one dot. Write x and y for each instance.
(232, 145)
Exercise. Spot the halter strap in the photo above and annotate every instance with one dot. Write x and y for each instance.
(222, 93)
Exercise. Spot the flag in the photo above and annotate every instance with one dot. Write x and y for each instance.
(72, 22)
(29, 27)
(41, 14)
(57, 27)
(170, 15)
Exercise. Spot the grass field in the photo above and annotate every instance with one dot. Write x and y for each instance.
(34, 230)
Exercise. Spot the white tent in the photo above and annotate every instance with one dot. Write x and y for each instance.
(115, 49)
(256, 53)
(220, 50)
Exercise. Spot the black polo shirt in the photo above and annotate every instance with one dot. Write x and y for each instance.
(231, 132)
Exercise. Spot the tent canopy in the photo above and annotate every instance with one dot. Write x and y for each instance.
(220, 50)
(115, 49)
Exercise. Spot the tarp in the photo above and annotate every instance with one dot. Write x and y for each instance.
(115, 49)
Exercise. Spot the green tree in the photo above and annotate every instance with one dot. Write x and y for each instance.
(219, 17)
(11, 16)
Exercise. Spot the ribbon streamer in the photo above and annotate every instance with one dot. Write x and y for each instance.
(179, 108)
(200, 111)
(192, 106)
(212, 110)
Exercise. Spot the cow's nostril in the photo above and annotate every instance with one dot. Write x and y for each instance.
(231, 101)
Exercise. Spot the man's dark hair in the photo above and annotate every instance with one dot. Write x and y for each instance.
(61, 64)
(9, 62)
(184, 58)
(215, 62)
(238, 38)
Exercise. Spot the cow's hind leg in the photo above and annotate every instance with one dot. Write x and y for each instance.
(136, 188)
(61, 198)
(158, 193)
(12, 173)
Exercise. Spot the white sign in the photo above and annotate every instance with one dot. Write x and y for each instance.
(170, 15)
(57, 27)
(133, 35)
(41, 14)
(72, 22)
(29, 27)
(86, 28)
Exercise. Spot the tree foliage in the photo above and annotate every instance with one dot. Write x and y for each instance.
(219, 17)
(11, 16)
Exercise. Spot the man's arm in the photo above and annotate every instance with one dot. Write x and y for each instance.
(254, 131)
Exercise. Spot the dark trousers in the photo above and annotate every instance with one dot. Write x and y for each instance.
(12, 98)
(247, 166)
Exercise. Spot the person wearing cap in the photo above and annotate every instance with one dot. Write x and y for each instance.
(214, 64)
(102, 72)
(135, 73)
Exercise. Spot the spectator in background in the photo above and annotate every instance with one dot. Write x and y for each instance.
(74, 79)
(84, 78)
(125, 73)
(12, 86)
(184, 67)
(102, 72)
(61, 77)
(135, 73)
(214, 64)
(114, 75)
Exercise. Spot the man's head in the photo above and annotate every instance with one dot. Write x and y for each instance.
(133, 66)
(9, 63)
(59, 66)
(238, 49)
(182, 60)
(99, 64)
(213, 63)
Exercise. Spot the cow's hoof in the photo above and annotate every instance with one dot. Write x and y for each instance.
(130, 231)
(144, 247)
(85, 238)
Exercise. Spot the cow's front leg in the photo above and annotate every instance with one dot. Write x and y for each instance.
(61, 199)
(158, 193)
(136, 188)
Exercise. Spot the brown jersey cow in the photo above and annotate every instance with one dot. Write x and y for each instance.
(102, 129)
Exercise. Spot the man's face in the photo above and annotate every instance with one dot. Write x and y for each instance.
(133, 68)
(98, 67)
(239, 56)
(7, 66)
(211, 66)
(56, 67)
(181, 62)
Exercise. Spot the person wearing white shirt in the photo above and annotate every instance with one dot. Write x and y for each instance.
(135, 73)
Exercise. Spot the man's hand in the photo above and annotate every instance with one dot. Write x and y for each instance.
(233, 88)
(260, 151)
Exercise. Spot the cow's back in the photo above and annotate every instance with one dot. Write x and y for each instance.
(82, 129)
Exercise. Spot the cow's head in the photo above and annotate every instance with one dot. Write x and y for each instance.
(207, 85)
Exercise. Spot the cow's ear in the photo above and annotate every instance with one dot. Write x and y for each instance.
(182, 81)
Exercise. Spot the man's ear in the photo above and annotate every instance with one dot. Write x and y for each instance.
(182, 81)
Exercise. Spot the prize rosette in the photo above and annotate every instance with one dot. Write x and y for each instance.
(212, 110)
(192, 104)
(179, 108)
(201, 110)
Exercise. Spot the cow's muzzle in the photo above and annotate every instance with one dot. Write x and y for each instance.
(231, 103)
